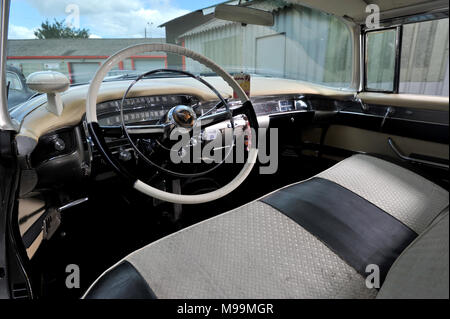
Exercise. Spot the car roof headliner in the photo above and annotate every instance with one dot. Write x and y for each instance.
(354, 10)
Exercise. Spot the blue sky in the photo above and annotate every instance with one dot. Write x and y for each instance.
(104, 18)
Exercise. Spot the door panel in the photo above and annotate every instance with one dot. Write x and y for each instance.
(427, 125)
(360, 140)
(413, 101)
(412, 132)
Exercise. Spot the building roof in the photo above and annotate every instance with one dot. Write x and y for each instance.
(210, 25)
(73, 47)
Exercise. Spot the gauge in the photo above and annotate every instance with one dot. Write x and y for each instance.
(265, 108)
(286, 105)
(139, 109)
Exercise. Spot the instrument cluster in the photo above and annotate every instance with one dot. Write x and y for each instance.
(141, 109)
(149, 109)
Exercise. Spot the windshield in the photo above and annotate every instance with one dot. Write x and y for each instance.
(75, 36)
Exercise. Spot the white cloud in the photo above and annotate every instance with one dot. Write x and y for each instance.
(94, 36)
(19, 32)
(119, 18)
(87, 7)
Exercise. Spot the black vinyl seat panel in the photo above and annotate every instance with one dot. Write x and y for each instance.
(355, 229)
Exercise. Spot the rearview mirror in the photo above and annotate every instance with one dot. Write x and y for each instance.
(244, 15)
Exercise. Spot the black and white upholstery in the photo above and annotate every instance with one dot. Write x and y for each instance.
(313, 239)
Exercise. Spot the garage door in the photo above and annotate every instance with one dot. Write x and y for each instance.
(146, 65)
(83, 72)
(270, 55)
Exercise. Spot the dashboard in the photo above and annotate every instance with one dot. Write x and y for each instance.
(69, 147)
(149, 109)
(50, 143)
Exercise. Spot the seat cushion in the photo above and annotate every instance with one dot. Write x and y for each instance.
(251, 252)
(405, 195)
(311, 242)
(422, 271)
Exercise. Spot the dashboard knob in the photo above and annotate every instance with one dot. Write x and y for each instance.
(125, 155)
(59, 144)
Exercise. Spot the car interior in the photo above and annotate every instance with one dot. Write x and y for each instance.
(333, 182)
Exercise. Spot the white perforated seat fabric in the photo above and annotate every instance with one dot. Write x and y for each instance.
(251, 252)
(409, 197)
(422, 270)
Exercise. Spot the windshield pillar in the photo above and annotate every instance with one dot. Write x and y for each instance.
(5, 120)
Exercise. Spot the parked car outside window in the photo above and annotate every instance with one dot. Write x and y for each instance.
(18, 89)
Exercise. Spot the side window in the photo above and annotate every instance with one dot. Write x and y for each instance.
(14, 81)
(424, 61)
(423, 65)
(381, 56)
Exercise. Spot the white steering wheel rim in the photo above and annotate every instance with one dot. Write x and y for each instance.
(91, 117)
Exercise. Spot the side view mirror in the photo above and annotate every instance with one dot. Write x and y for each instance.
(244, 15)
(52, 83)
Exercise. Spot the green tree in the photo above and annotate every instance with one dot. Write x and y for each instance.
(58, 30)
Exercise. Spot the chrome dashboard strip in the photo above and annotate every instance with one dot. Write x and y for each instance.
(72, 204)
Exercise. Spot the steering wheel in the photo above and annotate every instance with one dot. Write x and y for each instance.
(184, 117)
(98, 133)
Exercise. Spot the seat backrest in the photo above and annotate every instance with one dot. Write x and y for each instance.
(422, 270)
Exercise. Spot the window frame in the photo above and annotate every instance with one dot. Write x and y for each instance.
(398, 47)
(392, 23)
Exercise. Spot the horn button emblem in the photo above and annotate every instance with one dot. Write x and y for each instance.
(183, 116)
